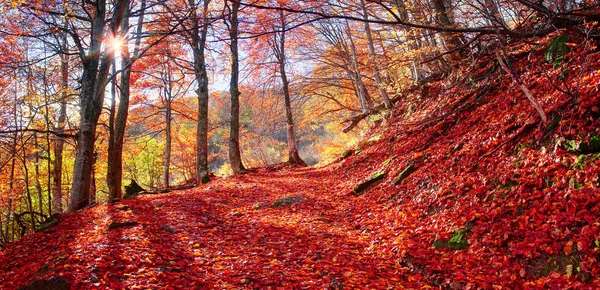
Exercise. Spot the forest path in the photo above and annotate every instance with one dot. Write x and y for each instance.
(225, 234)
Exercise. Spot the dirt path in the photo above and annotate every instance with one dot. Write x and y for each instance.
(226, 234)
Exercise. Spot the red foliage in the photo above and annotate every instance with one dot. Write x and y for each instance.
(492, 169)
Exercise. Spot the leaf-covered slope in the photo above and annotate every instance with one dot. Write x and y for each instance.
(491, 197)
(522, 195)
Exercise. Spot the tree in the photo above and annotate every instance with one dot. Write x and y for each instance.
(339, 59)
(115, 152)
(198, 34)
(278, 46)
(372, 57)
(57, 198)
(235, 159)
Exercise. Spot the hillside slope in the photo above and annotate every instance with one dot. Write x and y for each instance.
(471, 191)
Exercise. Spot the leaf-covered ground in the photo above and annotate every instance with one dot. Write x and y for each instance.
(226, 234)
(493, 198)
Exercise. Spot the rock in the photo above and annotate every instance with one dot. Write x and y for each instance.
(375, 179)
(56, 283)
(289, 200)
(115, 225)
(346, 154)
(169, 229)
(410, 169)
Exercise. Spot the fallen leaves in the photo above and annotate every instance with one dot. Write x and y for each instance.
(520, 216)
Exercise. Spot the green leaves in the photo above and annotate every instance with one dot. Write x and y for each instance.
(557, 50)
(458, 241)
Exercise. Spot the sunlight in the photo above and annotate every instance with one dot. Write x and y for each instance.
(115, 43)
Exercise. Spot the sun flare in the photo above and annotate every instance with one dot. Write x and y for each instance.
(115, 44)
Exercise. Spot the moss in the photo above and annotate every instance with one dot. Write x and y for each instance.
(47, 225)
(378, 174)
(374, 138)
(579, 162)
(509, 185)
(458, 241)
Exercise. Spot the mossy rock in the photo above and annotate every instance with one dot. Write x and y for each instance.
(346, 154)
(410, 169)
(46, 225)
(289, 200)
(374, 180)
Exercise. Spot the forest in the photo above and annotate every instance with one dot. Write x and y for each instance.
(315, 144)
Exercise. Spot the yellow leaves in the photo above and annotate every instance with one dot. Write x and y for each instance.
(15, 3)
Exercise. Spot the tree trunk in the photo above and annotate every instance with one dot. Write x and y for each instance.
(60, 128)
(372, 58)
(293, 156)
(13, 165)
(26, 179)
(48, 145)
(110, 177)
(167, 161)
(115, 158)
(36, 168)
(7, 222)
(198, 41)
(92, 199)
(95, 74)
(444, 18)
(363, 95)
(235, 157)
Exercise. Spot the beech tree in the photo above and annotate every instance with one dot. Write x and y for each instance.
(57, 172)
(96, 67)
(372, 57)
(115, 147)
(231, 11)
(198, 33)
